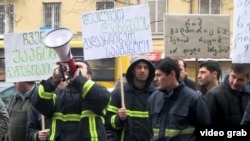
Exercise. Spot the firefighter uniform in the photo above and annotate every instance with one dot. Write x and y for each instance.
(175, 115)
(136, 127)
(76, 112)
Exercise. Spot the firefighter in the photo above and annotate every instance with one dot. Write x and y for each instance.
(76, 112)
(175, 110)
(130, 121)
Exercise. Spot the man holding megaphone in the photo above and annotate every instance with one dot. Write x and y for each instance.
(76, 111)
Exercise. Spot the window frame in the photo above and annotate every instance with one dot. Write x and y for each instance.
(108, 2)
(155, 29)
(12, 18)
(54, 20)
(210, 7)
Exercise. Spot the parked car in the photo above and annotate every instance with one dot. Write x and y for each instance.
(7, 90)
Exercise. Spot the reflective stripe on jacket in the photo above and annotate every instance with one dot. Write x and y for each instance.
(76, 112)
(175, 115)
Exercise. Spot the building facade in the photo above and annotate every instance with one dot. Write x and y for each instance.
(30, 15)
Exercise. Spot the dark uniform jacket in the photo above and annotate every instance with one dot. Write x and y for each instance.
(76, 112)
(34, 124)
(137, 125)
(226, 106)
(175, 115)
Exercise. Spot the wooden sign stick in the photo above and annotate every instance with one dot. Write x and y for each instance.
(121, 83)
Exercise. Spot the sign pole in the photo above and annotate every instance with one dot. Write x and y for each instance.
(42, 122)
(121, 83)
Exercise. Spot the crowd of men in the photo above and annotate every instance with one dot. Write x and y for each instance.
(155, 103)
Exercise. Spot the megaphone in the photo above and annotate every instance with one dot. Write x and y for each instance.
(59, 39)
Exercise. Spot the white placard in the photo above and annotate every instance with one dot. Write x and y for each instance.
(27, 58)
(116, 32)
(241, 33)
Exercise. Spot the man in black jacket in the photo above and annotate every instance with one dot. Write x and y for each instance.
(228, 100)
(130, 121)
(175, 110)
(77, 111)
(34, 131)
(184, 74)
(209, 75)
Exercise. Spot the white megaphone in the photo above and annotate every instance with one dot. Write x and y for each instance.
(59, 39)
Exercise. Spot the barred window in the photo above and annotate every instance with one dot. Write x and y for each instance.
(108, 4)
(210, 6)
(52, 13)
(6, 9)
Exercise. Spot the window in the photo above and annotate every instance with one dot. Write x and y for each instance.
(157, 11)
(210, 6)
(102, 69)
(104, 4)
(3, 11)
(51, 15)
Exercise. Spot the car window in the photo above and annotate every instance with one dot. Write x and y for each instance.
(7, 94)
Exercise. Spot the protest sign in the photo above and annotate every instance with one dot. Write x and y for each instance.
(27, 58)
(241, 33)
(116, 32)
(200, 36)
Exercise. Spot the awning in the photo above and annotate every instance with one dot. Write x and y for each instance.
(152, 56)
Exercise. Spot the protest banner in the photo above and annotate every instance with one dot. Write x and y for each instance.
(116, 32)
(27, 58)
(241, 36)
(197, 36)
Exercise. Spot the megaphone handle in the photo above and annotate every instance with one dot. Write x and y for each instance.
(72, 66)
(63, 75)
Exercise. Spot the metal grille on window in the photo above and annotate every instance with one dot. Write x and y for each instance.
(52, 15)
(104, 5)
(3, 11)
(2, 16)
(210, 6)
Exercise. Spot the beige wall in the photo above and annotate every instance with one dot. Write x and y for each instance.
(29, 13)
(178, 6)
(29, 16)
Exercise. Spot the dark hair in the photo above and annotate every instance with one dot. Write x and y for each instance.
(167, 65)
(241, 68)
(212, 66)
(184, 62)
(30, 82)
(87, 64)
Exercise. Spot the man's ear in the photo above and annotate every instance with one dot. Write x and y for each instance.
(186, 70)
(89, 76)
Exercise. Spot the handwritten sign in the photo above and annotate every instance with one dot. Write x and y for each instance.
(116, 32)
(197, 36)
(241, 33)
(27, 58)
